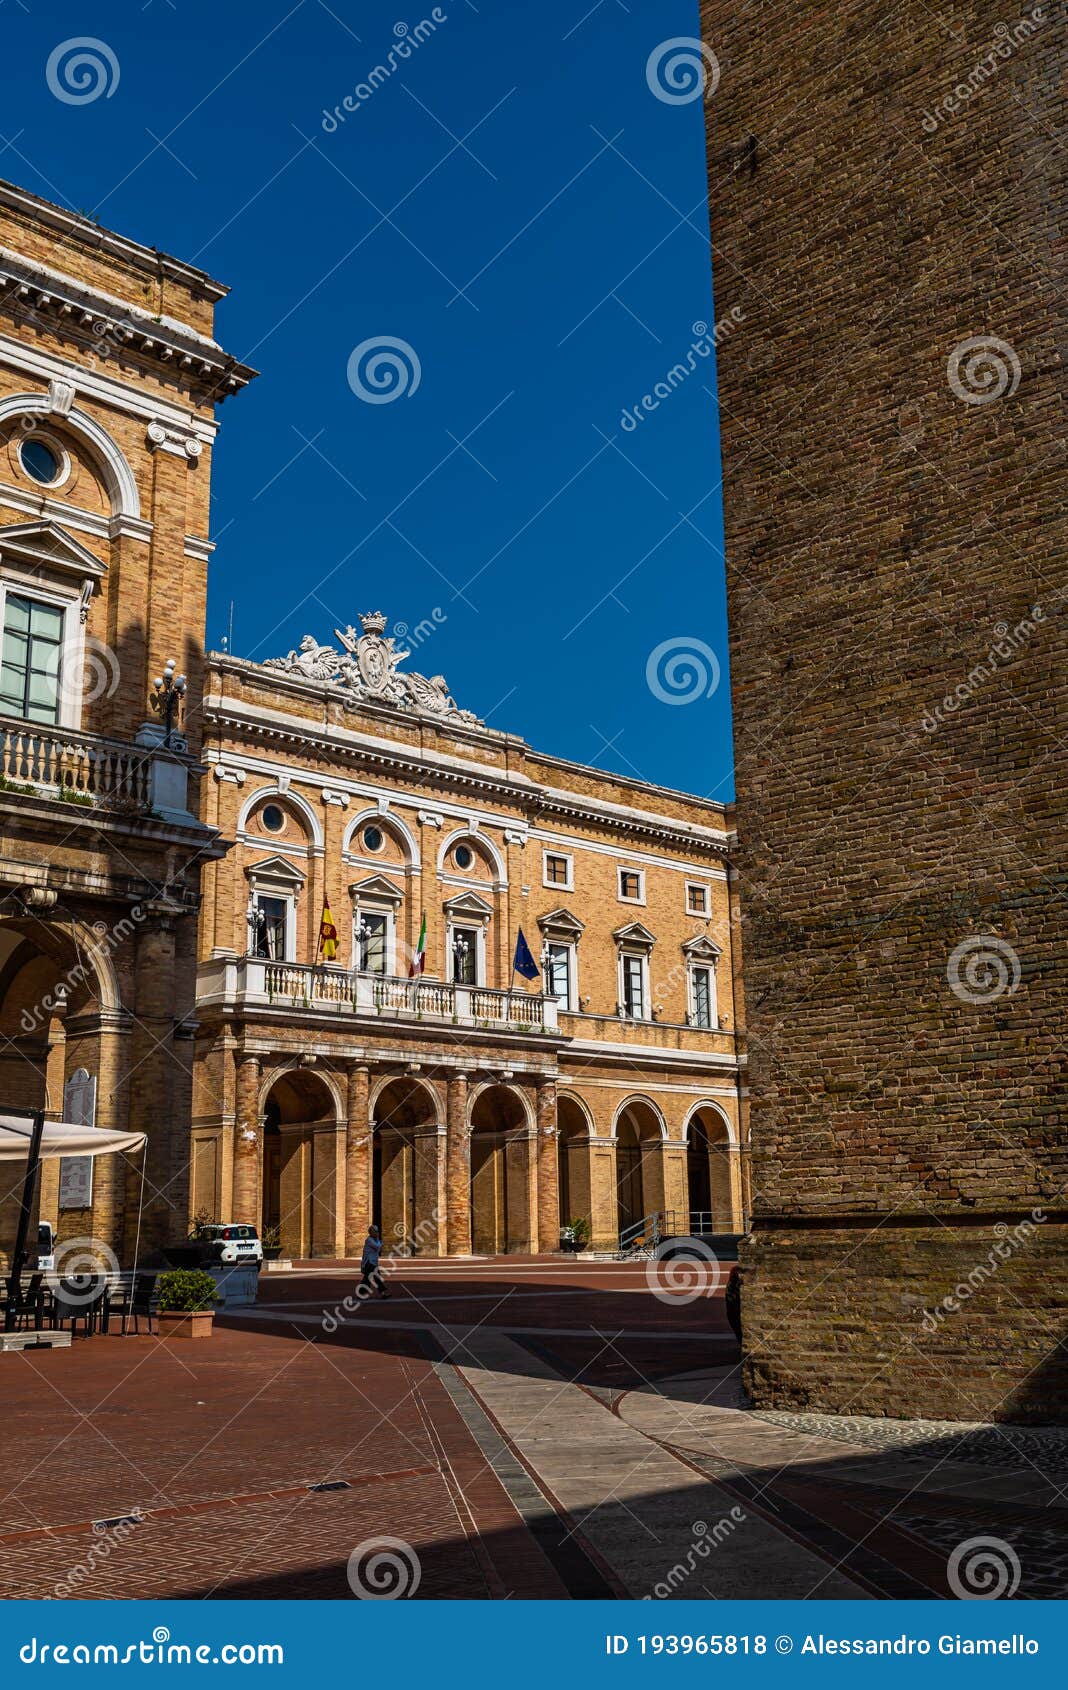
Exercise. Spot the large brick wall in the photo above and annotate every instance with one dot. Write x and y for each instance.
(896, 558)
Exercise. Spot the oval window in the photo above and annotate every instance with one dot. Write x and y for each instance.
(373, 838)
(39, 461)
(464, 856)
(273, 818)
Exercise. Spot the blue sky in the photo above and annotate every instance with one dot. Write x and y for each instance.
(516, 206)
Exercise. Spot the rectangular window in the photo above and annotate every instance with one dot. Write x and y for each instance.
(372, 940)
(696, 897)
(632, 885)
(557, 869)
(33, 648)
(465, 956)
(270, 921)
(558, 974)
(634, 987)
(702, 997)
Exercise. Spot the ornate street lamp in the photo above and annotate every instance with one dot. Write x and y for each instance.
(168, 692)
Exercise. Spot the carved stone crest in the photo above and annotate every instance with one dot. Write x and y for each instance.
(368, 667)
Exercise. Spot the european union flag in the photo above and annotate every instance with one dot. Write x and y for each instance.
(523, 963)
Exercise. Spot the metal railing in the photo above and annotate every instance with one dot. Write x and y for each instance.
(63, 761)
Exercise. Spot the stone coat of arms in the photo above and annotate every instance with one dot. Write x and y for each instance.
(368, 666)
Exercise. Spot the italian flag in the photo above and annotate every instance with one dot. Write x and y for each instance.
(419, 959)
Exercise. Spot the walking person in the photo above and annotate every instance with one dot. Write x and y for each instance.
(370, 1273)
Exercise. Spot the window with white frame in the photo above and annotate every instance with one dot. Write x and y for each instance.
(559, 972)
(466, 952)
(631, 885)
(703, 995)
(30, 680)
(557, 869)
(373, 941)
(634, 984)
(270, 925)
(697, 899)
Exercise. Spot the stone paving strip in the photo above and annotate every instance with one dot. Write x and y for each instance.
(660, 1526)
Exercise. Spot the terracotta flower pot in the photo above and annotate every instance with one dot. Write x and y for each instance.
(177, 1323)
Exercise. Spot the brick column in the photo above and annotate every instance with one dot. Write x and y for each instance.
(357, 1158)
(247, 1150)
(457, 1170)
(548, 1231)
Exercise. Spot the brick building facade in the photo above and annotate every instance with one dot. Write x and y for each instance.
(886, 189)
(463, 1110)
(109, 378)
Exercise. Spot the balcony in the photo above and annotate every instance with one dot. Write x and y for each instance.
(48, 762)
(251, 983)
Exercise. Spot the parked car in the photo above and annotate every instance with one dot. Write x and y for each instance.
(231, 1241)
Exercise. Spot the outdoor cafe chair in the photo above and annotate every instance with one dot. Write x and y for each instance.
(26, 1301)
(134, 1300)
(81, 1300)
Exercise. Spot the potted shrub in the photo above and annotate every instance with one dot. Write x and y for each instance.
(272, 1243)
(575, 1235)
(186, 1303)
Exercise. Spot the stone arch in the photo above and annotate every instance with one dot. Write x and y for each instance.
(117, 475)
(389, 823)
(301, 1110)
(503, 1149)
(273, 789)
(575, 1125)
(640, 1133)
(482, 845)
(407, 1170)
(712, 1169)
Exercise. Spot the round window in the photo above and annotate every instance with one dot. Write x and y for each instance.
(464, 856)
(40, 462)
(273, 818)
(373, 838)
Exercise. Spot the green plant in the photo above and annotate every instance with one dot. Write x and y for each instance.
(66, 796)
(272, 1237)
(199, 1224)
(579, 1231)
(186, 1291)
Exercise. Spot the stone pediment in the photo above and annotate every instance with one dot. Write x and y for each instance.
(276, 870)
(46, 544)
(702, 948)
(368, 669)
(562, 921)
(469, 904)
(377, 886)
(635, 934)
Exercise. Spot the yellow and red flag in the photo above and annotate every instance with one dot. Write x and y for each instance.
(327, 935)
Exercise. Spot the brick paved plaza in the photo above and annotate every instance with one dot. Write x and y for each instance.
(525, 1429)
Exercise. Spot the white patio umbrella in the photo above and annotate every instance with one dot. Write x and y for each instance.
(25, 1134)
